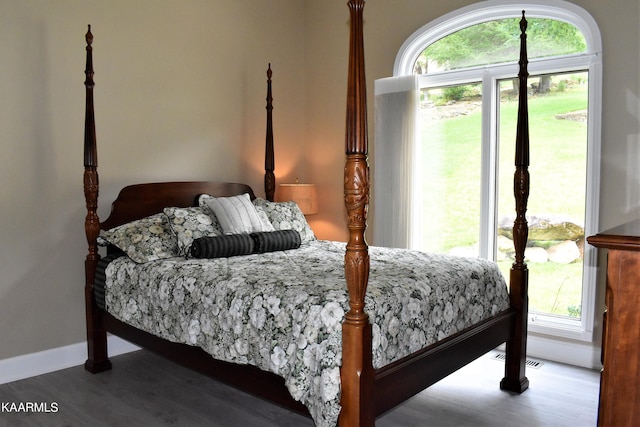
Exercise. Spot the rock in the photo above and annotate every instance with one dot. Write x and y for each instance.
(554, 228)
(536, 255)
(505, 244)
(574, 116)
(564, 253)
(505, 249)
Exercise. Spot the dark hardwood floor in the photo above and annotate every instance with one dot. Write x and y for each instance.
(146, 390)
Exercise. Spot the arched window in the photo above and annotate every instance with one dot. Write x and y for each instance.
(463, 67)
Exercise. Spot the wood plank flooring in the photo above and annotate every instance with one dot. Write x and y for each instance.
(146, 390)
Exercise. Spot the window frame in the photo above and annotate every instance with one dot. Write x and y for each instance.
(489, 75)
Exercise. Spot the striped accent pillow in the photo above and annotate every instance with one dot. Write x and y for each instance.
(280, 240)
(236, 214)
(222, 246)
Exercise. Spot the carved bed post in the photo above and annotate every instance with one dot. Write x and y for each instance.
(357, 371)
(516, 354)
(269, 163)
(97, 360)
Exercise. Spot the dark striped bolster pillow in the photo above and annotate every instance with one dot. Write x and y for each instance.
(222, 246)
(280, 240)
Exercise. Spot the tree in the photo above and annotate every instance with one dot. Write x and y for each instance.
(499, 41)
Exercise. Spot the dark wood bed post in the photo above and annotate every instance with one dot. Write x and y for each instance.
(269, 162)
(516, 352)
(97, 360)
(357, 371)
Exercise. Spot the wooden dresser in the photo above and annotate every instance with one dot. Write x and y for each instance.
(620, 379)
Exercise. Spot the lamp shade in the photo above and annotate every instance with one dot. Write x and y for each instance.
(305, 196)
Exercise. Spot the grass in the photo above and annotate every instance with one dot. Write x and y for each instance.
(558, 154)
(553, 288)
(452, 153)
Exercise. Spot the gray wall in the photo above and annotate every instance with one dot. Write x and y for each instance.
(180, 95)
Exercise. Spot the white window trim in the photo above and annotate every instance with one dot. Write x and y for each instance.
(590, 61)
(490, 10)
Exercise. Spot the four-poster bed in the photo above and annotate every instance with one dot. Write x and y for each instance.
(370, 381)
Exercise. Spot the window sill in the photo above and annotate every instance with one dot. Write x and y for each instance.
(561, 327)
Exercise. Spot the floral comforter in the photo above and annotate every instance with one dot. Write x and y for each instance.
(282, 311)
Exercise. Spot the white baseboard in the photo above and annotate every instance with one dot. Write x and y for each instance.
(55, 359)
(576, 353)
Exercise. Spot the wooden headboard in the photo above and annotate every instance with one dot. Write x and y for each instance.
(141, 200)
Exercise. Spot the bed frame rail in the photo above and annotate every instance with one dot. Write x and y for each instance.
(398, 381)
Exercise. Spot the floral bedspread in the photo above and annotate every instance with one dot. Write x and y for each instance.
(282, 311)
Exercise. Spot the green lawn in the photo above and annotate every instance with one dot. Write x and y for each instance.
(452, 153)
(558, 154)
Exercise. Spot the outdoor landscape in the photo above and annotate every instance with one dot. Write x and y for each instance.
(451, 192)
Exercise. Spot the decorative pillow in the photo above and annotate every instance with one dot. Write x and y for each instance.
(222, 246)
(191, 223)
(272, 241)
(264, 219)
(229, 245)
(236, 214)
(287, 216)
(144, 240)
(202, 201)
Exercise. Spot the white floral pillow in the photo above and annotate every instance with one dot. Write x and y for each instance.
(191, 223)
(143, 240)
(286, 216)
(202, 200)
(264, 218)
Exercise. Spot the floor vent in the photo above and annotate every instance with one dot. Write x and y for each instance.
(530, 363)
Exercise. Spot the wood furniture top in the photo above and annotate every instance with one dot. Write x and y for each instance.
(625, 237)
